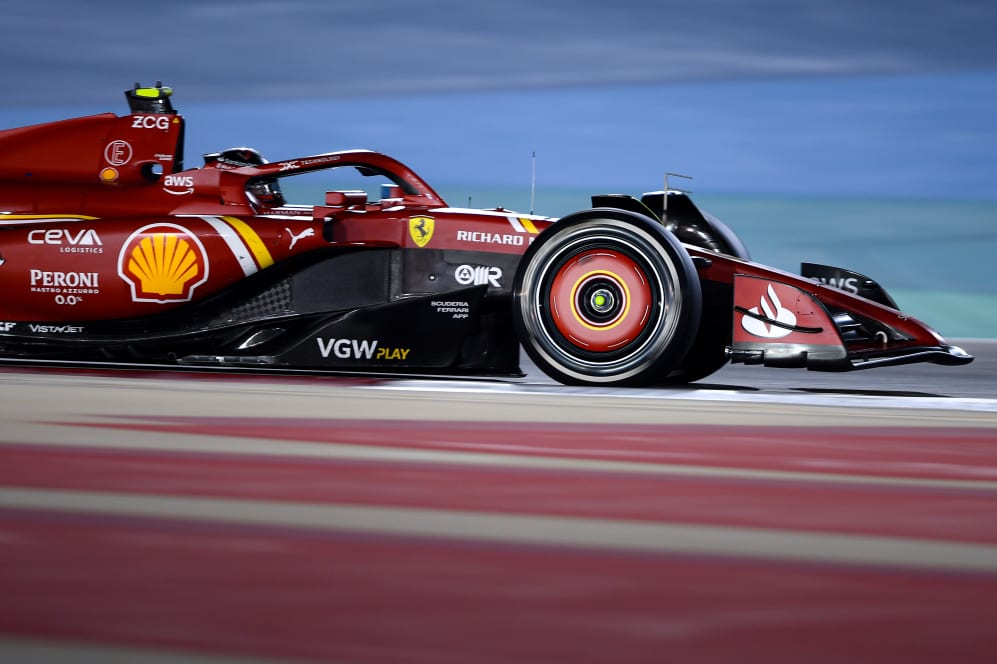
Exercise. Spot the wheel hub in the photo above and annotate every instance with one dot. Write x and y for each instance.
(600, 300)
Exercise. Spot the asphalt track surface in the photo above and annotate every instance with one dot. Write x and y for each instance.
(765, 515)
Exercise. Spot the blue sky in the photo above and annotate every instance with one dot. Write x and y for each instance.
(886, 99)
(877, 136)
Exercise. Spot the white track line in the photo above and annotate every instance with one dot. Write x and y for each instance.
(491, 456)
(615, 535)
(25, 651)
(696, 394)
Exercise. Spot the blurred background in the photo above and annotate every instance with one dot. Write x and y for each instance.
(852, 133)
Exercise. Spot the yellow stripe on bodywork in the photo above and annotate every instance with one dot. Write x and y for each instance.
(252, 240)
(528, 225)
(53, 217)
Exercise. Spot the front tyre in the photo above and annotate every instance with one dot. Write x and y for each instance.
(606, 297)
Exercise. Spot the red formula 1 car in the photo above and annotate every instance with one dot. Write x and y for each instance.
(112, 252)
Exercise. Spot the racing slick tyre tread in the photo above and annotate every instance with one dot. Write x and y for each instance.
(606, 297)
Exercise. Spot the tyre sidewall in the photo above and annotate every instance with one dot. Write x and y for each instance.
(674, 317)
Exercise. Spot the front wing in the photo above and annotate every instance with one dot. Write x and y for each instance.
(780, 324)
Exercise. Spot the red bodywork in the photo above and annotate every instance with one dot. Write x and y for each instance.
(86, 209)
(100, 221)
(812, 308)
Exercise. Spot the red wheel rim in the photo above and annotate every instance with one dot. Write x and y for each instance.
(600, 300)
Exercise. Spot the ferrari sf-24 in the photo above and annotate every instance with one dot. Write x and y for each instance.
(112, 252)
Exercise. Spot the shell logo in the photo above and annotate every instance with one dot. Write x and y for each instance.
(163, 263)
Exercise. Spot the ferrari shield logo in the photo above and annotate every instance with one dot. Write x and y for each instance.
(421, 230)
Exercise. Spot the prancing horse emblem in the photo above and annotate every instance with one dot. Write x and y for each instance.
(421, 230)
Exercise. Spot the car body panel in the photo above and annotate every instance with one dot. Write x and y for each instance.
(112, 251)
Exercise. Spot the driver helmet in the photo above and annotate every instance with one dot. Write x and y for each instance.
(264, 192)
(235, 158)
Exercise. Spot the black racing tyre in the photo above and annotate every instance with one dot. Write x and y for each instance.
(606, 297)
(709, 352)
(707, 356)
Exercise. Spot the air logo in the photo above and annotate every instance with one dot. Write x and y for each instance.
(478, 274)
